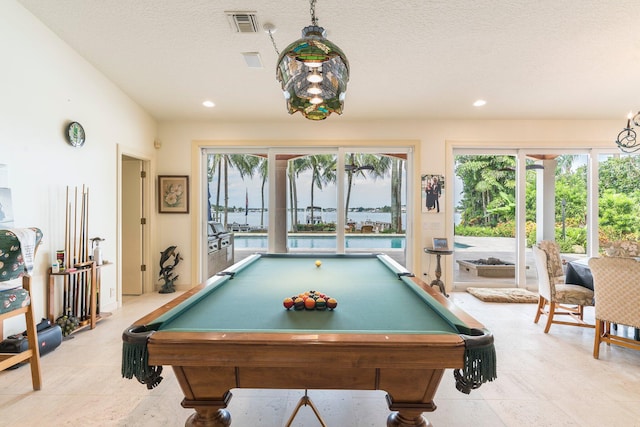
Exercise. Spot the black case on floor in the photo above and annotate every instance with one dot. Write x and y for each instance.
(49, 338)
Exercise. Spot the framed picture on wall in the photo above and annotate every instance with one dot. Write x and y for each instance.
(173, 194)
(6, 208)
(432, 193)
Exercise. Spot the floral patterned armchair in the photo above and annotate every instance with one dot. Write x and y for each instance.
(557, 298)
(17, 252)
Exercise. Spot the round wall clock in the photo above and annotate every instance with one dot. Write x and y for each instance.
(75, 134)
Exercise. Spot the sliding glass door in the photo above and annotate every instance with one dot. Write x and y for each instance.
(507, 201)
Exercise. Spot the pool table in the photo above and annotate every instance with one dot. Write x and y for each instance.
(390, 331)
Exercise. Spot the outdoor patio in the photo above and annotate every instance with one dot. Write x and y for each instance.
(467, 248)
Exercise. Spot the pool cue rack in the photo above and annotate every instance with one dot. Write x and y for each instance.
(79, 273)
(80, 295)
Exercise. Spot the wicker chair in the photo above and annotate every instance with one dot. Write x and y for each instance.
(615, 281)
(562, 299)
(17, 300)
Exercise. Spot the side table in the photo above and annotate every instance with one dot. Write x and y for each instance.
(437, 282)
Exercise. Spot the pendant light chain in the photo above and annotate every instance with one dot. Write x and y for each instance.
(273, 42)
(312, 10)
(314, 21)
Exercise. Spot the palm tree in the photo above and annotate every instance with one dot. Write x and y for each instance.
(483, 178)
(213, 166)
(294, 167)
(396, 195)
(263, 170)
(381, 165)
(245, 164)
(352, 159)
(323, 171)
(565, 162)
(357, 161)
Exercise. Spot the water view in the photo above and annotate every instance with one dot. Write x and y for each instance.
(316, 241)
(254, 221)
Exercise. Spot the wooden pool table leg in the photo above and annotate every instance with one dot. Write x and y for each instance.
(397, 419)
(209, 413)
(408, 414)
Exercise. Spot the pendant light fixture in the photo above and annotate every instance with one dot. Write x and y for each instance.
(313, 73)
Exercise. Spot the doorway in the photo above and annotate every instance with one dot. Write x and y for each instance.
(133, 225)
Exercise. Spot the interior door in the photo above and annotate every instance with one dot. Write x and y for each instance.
(132, 227)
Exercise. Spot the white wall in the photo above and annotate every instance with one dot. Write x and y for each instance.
(437, 138)
(45, 85)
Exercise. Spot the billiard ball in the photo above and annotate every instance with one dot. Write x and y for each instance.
(321, 304)
(332, 303)
(318, 263)
(310, 304)
(298, 304)
(288, 303)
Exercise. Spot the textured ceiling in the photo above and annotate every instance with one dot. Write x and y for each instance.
(543, 59)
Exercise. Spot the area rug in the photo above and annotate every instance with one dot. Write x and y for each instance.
(504, 295)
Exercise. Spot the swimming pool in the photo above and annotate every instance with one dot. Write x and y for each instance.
(314, 241)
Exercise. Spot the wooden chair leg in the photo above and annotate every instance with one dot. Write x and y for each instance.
(32, 337)
(540, 310)
(34, 360)
(552, 311)
(596, 341)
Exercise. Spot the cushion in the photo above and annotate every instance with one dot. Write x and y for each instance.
(13, 299)
(12, 264)
(574, 294)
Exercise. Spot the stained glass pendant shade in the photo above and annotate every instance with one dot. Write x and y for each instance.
(314, 74)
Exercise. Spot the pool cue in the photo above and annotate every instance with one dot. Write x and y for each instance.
(75, 225)
(87, 296)
(65, 281)
(87, 289)
(94, 311)
(67, 254)
(68, 263)
(75, 251)
(83, 256)
(81, 276)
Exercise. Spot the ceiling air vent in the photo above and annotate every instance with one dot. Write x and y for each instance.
(243, 22)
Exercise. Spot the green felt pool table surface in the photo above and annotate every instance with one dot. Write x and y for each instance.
(372, 298)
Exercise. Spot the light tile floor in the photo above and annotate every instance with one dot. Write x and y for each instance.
(543, 380)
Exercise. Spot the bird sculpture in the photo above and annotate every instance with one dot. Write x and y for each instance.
(169, 259)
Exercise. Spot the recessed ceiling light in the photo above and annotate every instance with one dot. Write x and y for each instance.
(209, 104)
(479, 103)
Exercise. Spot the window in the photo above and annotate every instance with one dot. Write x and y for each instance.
(325, 199)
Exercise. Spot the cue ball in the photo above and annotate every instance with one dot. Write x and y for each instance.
(318, 263)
